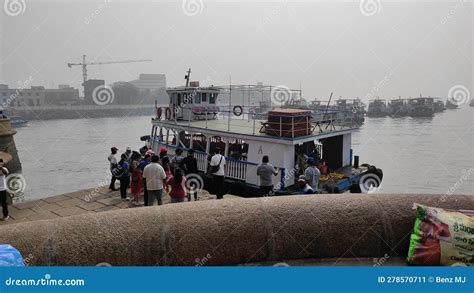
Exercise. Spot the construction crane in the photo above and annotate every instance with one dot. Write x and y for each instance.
(84, 65)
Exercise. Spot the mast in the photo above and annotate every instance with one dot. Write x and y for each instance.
(230, 102)
(187, 76)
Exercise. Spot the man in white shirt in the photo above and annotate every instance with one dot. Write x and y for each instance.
(113, 164)
(3, 191)
(154, 175)
(217, 166)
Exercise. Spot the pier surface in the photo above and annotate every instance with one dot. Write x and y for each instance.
(92, 200)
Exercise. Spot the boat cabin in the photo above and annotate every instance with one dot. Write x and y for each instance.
(192, 102)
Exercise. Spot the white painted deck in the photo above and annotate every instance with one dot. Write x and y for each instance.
(242, 128)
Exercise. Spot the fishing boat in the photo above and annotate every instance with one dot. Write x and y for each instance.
(287, 136)
(438, 105)
(377, 108)
(421, 107)
(451, 104)
(15, 121)
(397, 108)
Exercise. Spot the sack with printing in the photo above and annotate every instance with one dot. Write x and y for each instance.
(442, 237)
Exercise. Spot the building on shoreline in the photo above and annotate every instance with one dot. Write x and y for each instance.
(37, 96)
(150, 82)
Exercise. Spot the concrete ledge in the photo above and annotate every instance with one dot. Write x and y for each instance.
(230, 232)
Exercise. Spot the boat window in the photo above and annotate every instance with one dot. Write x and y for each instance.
(238, 150)
(197, 98)
(216, 142)
(212, 98)
(199, 142)
(178, 100)
(204, 97)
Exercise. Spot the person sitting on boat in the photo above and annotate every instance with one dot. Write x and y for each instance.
(265, 172)
(304, 186)
(312, 174)
(315, 155)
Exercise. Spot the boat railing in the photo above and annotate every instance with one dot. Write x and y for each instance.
(234, 168)
(240, 120)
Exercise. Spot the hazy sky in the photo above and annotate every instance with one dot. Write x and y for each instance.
(381, 48)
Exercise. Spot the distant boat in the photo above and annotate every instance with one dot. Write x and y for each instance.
(439, 106)
(451, 104)
(472, 103)
(397, 108)
(421, 107)
(377, 108)
(17, 121)
(353, 109)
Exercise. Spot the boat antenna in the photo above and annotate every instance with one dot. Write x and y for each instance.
(187, 76)
(327, 106)
(301, 93)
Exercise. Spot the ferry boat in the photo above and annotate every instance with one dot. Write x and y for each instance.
(451, 104)
(287, 136)
(377, 108)
(353, 108)
(324, 111)
(421, 107)
(438, 105)
(397, 108)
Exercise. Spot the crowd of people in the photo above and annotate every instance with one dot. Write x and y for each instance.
(144, 172)
(153, 174)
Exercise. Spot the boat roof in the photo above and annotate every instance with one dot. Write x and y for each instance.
(247, 129)
(194, 89)
(289, 111)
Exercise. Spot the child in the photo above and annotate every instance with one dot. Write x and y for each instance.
(178, 186)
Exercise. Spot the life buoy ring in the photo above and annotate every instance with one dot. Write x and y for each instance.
(238, 110)
(159, 112)
(168, 113)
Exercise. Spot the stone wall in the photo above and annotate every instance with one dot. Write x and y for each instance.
(7, 145)
(230, 232)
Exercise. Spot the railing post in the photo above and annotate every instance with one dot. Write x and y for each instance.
(281, 126)
(254, 124)
(292, 127)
